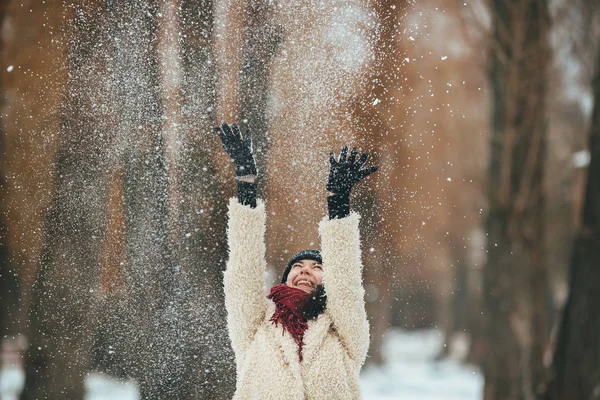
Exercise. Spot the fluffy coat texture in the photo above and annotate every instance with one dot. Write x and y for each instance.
(335, 343)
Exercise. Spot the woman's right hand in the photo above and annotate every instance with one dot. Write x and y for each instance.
(343, 175)
(239, 149)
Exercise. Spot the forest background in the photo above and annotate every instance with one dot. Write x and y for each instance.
(484, 117)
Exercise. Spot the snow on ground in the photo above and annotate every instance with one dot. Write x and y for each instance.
(412, 374)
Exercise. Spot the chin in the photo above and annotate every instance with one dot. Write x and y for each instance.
(305, 289)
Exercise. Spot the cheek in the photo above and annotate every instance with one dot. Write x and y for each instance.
(290, 277)
(318, 274)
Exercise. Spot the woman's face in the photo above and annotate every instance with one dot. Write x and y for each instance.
(305, 275)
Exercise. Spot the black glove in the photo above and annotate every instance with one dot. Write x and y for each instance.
(240, 151)
(343, 175)
(247, 193)
(238, 148)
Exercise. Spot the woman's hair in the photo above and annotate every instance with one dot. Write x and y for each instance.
(315, 304)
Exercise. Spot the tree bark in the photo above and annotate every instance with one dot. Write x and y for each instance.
(575, 372)
(373, 198)
(174, 211)
(261, 41)
(200, 217)
(9, 284)
(64, 294)
(152, 326)
(515, 281)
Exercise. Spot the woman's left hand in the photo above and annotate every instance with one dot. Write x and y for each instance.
(345, 173)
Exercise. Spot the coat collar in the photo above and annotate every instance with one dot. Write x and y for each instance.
(313, 338)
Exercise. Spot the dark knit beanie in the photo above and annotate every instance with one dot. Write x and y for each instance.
(314, 255)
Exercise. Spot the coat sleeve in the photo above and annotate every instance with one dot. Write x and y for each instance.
(342, 278)
(244, 281)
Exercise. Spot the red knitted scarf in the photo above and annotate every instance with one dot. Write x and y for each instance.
(288, 311)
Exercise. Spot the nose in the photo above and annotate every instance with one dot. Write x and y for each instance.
(305, 269)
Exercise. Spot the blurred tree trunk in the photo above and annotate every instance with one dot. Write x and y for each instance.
(64, 294)
(262, 38)
(373, 197)
(201, 214)
(515, 281)
(575, 372)
(151, 273)
(9, 284)
(175, 215)
(33, 42)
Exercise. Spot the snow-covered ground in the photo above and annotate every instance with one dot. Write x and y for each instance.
(412, 374)
(99, 386)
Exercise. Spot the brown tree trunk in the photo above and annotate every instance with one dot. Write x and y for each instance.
(575, 372)
(373, 195)
(9, 285)
(34, 42)
(65, 292)
(175, 327)
(515, 275)
(262, 38)
(151, 275)
(201, 213)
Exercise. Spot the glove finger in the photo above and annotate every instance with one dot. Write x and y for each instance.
(343, 154)
(352, 157)
(223, 137)
(236, 131)
(362, 160)
(248, 139)
(227, 130)
(220, 133)
(363, 173)
(332, 161)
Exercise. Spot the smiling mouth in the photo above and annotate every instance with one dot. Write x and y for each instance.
(304, 282)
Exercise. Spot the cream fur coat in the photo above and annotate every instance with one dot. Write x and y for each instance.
(336, 342)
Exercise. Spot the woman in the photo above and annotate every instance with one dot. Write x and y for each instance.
(296, 343)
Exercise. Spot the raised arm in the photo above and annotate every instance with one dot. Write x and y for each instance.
(342, 278)
(244, 278)
(340, 250)
(244, 275)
